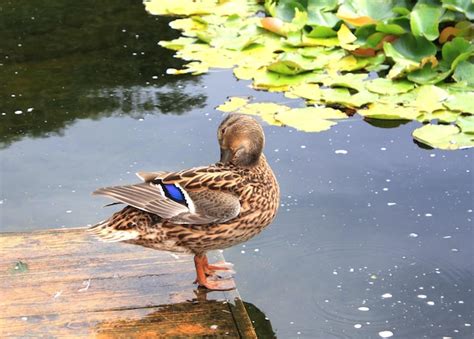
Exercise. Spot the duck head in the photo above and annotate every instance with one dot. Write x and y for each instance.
(241, 140)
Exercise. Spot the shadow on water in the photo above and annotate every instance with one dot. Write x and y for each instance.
(63, 61)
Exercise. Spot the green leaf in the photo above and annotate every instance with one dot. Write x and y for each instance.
(429, 98)
(319, 18)
(291, 64)
(322, 5)
(232, 104)
(424, 20)
(308, 119)
(465, 73)
(447, 137)
(390, 29)
(452, 49)
(389, 111)
(306, 91)
(286, 9)
(463, 102)
(466, 124)
(463, 6)
(429, 75)
(443, 115)
(413, 48)
(389, 87)
(321, 32)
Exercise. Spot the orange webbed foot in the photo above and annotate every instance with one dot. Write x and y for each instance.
(203, 270)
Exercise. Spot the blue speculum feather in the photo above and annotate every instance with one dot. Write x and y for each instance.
(173, 192)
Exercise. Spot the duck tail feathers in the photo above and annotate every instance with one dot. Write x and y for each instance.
(106, 233)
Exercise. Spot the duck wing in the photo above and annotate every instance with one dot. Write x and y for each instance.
(196, 196)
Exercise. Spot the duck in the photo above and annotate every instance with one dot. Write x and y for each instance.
(200, 209)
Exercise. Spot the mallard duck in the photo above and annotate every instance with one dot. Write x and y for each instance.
(200, 209)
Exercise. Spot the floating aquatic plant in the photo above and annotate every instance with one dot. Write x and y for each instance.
(388, 59)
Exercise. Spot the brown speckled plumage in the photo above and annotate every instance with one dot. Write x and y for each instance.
(225, 204)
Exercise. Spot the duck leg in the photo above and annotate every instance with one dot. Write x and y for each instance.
(200, 262)
(218, 266)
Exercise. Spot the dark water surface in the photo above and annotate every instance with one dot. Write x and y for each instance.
(374, 233)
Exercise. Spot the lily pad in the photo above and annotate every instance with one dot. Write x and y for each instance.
(466, 124)
(463, 102)
(232, 104)
(307, 120)
(291, 64)
(306, 91)
(447, 137)
(443, 115)
(430, 98)
(390, 87)
(389, 112)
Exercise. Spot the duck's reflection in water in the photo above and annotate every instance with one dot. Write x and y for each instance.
(200, 317)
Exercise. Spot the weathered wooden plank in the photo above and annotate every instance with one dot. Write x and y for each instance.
(68, 284)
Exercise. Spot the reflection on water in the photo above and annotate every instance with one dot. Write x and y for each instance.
(374, 233)
(61, 61)
(198, 317)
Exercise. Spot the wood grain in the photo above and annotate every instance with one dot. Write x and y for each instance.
(63, 283)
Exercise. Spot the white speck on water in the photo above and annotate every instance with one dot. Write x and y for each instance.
(256, 250)
(243, 252)
(421, 296)
(68, 211)
(340, 151)
(57, 294)
(428, 215)
(385, 334)
(413, 235)
(213, 327)
(431, 303)
(391, 203)
(386, 295)
(388, 180)
(454, 250)
(1, 202)
(383, 148)
(363, 309)
(30, 109)
(351, 270)
(24, 318)
(385, 189)
(357, 325)
(19, 112)
(303, 146)
(447, 237)
(298, 332)
(432, 155)
(461, 302)
(334, 272)
(155, 77)
(467, 325)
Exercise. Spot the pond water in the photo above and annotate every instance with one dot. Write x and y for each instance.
(374, 234)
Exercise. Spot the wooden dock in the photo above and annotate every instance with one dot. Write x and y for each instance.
(63, 283)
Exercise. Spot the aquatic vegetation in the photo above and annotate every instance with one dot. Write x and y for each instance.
(390, 60)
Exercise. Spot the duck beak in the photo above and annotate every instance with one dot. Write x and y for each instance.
(226, 155)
